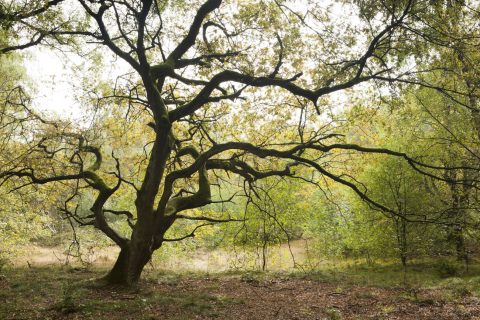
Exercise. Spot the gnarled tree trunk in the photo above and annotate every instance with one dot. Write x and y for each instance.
(130, 263)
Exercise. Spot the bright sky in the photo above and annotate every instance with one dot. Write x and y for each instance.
(54, 83)
(50, 71)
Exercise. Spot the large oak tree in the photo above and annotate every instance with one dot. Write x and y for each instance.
(219, 87)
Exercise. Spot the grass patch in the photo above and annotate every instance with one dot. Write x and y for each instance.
(53, 292)
(386, 275)
(390, 275)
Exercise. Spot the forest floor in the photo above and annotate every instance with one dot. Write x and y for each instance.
(53, 292)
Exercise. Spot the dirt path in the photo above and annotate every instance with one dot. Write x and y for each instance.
(200, 260)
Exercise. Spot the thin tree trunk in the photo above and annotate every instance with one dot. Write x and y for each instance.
(461, 251)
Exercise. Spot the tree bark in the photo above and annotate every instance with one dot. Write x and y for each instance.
(120, 269)
(131, 262)
(460, 247)
(128, 267)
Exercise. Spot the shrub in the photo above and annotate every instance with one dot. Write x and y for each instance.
(447, 269)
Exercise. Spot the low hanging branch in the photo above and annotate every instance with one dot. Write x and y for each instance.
(89, 176)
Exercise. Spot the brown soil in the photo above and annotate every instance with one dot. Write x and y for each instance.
(222, 297)
(304, 299)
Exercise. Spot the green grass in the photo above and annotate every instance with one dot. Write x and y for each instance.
(428, 274)
(56, 290)
(424, 274)
(196, 304)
